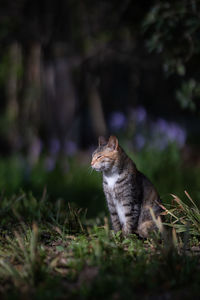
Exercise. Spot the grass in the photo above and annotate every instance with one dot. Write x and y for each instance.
(75, 183)
(54, 252)
(184, 216)
(50, 248)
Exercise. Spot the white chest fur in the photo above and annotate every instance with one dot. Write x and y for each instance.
(111, 180)
(120, 211)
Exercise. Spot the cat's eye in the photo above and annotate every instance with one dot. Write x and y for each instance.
(99, 156)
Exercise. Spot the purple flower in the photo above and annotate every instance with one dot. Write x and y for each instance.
(181, 138)
(35, 150)
(167, 132)
(139, 114)
(139, 141)
(117, 120)
(176, 134)
(50, 163)
(70, 147)
(160, 142)
(162, 125)
(54, 146)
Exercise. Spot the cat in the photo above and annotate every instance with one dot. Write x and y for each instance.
(129, 193)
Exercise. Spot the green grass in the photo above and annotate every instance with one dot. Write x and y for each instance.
(53, 251)
(184, 215)
(50, 248)
(75, 183)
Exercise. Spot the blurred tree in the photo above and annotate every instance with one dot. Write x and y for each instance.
(31, 98)
(52, 38)
(173, 29)
(80, 60)
(12, 87)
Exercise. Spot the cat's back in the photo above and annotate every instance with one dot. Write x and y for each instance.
(150, 202)
(150, 194)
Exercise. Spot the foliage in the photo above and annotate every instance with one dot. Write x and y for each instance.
(51, 261)
(51, 249)
(185, 217)
(172, 30)
(74, 183)
(168, 172)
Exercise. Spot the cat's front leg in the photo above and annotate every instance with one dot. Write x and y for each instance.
(115, 222)
(131, 218)
(114, 217)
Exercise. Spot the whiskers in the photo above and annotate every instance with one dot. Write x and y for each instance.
(90, 170)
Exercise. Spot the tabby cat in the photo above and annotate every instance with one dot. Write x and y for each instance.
(129, 193)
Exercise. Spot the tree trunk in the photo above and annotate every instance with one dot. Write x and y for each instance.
(12, 88)
(95, 108)
(31, 102)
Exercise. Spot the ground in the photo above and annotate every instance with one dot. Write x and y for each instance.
(52, 251)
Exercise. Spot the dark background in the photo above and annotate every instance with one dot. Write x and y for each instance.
(73, 70)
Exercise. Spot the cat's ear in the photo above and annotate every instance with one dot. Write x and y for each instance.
(113, 143)
(102, 141)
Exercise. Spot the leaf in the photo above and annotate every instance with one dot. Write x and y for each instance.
(60, 248)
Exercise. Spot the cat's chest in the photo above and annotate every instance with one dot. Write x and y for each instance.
(111, 181)
(111, 184)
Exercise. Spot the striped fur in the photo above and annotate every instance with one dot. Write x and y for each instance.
(129, 194)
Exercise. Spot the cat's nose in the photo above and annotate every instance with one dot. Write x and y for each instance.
(92, 163)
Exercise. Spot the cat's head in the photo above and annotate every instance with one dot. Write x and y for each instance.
(105, 157)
